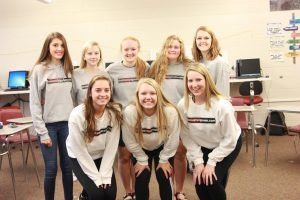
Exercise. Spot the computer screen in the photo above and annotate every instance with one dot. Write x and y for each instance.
(248, 67)
(17, 79)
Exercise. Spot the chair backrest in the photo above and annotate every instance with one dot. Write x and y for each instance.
(241, 117)
(245, 88)
(6, 114)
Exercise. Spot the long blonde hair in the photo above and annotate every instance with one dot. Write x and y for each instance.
(162, 102)
(140, 65)
(159, 68)
(214, 50)
(84, 50)
(210, 88)
(90, 120)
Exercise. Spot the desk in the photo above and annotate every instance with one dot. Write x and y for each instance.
(249, 110)
(7, 131)
(240, 80)
(2, 92)
(17, 95)
(27, 121)
(285, 109)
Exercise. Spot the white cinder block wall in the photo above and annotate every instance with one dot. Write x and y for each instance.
(240, 25)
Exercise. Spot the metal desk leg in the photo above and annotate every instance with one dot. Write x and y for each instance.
(11, 169)
(253, 139)
(267, 135)
(23, 155)
(33, 158)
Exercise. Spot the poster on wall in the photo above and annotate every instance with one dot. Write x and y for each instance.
(280, 5)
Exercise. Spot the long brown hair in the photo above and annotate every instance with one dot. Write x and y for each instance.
(140, 65)
(159, 68)
(214, 50)
(162, 102)
(112, 107)
(45, 56)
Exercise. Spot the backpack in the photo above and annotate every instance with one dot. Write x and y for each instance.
(279, 119)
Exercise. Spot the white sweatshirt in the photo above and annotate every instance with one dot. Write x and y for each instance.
(151, 135)
(104, 144)
(215, 129)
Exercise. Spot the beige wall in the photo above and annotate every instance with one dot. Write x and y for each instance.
(240, 26)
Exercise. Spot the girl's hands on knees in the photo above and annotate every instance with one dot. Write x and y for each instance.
(47, 142)
(138, 169)
(197, 172)
(167, 169)
(208, 174)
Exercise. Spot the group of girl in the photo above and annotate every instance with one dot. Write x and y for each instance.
(174, 109)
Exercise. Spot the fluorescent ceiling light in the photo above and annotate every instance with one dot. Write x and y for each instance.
(46, 1)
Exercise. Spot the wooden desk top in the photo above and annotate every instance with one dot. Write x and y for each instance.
(282, 108)
(244, 108)
(22, 120)
(240, 80)
(2, 92)
(6, 130)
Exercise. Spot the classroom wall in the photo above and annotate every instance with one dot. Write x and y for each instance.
(240, 25)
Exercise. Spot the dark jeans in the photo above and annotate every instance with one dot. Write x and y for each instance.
(142, 181)
(216, 191)
(90, 189)
(58, 133)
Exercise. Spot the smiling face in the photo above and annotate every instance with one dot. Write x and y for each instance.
(57, 50)
(100, 93)
(92, 56)
(147, 98)
(203, 41)
(129, 50)
(197, 86)
(173, 51)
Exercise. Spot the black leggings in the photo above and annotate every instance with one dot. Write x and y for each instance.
(90, 189)
(216, 191)
(142, 181)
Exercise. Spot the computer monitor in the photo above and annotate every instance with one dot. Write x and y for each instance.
(248, 67)
(17, 79)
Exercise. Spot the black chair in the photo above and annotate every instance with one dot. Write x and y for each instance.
(250, 92)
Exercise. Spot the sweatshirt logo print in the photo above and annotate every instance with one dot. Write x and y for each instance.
(176, 77)
(84, 86)
(127, 80)
(202, 120)
(149, 130)
(103, 131)
(58, 80)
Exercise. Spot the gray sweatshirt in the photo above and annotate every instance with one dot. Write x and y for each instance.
(81, 80)
(124, 81)
(173, 84)
(220, 72)
(104, 144)
(50, 97)
(151, 134)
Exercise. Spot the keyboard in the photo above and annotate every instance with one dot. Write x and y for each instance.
(16, 89)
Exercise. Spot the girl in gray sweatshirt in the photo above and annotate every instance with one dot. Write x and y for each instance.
(91, 58)
(50, 105)
(207, 51)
